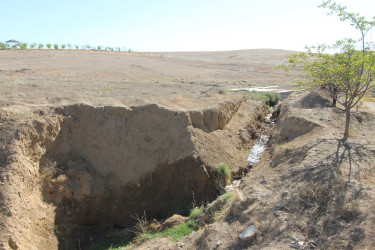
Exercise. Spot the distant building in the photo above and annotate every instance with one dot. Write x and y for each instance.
(12, 43)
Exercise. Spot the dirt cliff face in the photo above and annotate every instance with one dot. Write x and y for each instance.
(68, 176)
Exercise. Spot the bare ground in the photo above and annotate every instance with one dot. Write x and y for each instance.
(311, 189)
(30, 78)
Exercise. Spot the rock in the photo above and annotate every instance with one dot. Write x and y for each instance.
(217, 244)
(294, 240)
(248, 233)
(312, 245)
(12, 244)
(276, 213)
(174, 221)
(295, 246)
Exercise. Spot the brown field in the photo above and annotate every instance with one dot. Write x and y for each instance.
(34, 77)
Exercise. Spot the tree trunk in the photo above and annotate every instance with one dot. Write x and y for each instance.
(334, 101)
(334, 96)
(347, 122)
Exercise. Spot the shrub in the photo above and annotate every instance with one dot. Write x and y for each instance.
(33, 46)
(3, 46)
(49, 45)
(269, 98)
(56, 46)
(196, 212)
(272, 98)
(261, 116)
(63, 46)
(223, 175)
(40, 46)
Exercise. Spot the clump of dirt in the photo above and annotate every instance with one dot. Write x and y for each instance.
(72, 174)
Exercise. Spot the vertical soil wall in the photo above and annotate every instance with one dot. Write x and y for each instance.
(72, 176)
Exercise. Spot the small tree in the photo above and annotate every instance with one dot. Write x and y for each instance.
(49, 45)
(341, 70)
(63, 46)
(23, 46)
(33, 46)
(69, 46)
(76, 46)
(3, 46)
(40, 46)
(56, 46)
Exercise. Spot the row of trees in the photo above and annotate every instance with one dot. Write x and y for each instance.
(345, 71)
(55, 46)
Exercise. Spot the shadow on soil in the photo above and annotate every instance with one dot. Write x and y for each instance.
(323, 198)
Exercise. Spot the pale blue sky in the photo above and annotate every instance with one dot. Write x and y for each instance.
(177, 25)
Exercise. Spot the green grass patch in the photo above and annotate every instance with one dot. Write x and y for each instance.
(257, 96)
(226, 197)
(269, 98)
(178, 232)
(175, 233)
(196, 212)
(224, 172)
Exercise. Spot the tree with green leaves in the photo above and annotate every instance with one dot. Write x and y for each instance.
(23, 46)
(40, 46)
(345, 70)
(56, 46)
(48, 45)
(3, 46)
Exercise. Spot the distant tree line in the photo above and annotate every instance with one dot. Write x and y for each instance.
(55, 46)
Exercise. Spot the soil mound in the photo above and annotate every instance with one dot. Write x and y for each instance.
(314, 100)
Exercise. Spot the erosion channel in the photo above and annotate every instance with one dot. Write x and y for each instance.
(83, 169)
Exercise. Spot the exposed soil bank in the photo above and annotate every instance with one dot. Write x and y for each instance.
(81, 170)
(311, 190)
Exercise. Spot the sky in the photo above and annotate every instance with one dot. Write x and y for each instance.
(179, 25)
